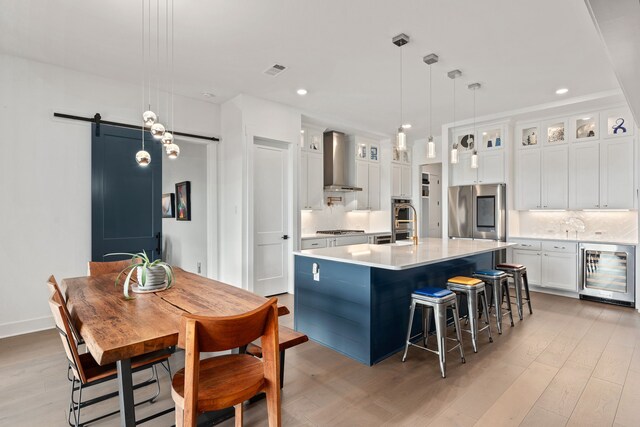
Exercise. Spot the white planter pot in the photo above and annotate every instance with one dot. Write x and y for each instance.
(156, 278)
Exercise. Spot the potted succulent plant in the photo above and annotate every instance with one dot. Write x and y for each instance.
(151, 275)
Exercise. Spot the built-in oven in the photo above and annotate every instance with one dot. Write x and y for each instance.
(402, 220)
(607, 273)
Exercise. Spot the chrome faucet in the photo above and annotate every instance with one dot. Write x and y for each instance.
(414, 221)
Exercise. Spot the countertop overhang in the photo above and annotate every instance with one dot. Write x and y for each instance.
(405, 256)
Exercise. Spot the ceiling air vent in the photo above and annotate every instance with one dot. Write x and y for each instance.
(275, 69)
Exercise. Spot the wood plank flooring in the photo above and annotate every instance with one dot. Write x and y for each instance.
(572, 363)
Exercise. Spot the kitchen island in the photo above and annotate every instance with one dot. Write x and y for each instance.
(355, 299)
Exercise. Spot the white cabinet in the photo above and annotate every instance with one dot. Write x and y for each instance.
(555, 177)
(550, 264)
(559, 271)
(528, 178)
(491, 167)
(616, 174)
(542, 178)
(601, 175)
(347, 240)
(584, 176)
(374, 186)
(313, 243)
(400, 180)
(531, 260)
(364, 172)
(311, 181)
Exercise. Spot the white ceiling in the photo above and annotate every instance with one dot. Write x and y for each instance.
(340, 51)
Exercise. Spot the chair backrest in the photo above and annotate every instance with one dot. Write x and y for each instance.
(96, 268)
(55, 289)
(68, 341)
(207, 334)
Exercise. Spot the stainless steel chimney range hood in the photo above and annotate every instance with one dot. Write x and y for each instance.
(335, 163)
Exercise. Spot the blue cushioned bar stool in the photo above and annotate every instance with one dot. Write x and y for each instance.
(520, 281)
(473, 289)
(436, 300)
(498, 281)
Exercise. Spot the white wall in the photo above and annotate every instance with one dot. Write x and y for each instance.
(45, 171)
(185, 242)
(245, 118)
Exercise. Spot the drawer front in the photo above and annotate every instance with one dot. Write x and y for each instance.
(314, 243)
(351, 240)
(566, 247)
(532, 245)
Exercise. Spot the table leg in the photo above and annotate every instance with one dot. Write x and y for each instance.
(125, 393)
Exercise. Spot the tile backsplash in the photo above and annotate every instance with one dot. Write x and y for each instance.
(335, 217)
(605, 226)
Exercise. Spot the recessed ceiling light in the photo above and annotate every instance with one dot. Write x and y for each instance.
(301, 130)
(406, 126)
(301, 92)
(562, 91)
(208, 95)
(484, 134)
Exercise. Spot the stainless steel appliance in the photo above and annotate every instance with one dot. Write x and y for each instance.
(403, 218)
(382, 239)
(339, 232)
(477, 212)
(607, 273)
(335, 163)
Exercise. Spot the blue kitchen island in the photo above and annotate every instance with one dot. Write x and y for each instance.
(355, 299)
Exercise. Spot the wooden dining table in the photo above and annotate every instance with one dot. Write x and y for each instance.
(116, 329)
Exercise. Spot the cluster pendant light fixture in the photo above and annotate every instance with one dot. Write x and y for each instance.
(453, 75)
(431, 146)
(474, 157)
(401, 141)
(151, 119)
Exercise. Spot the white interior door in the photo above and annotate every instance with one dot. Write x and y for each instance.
(435, 206)
(271, 220)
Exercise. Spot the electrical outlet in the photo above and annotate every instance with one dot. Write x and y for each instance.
(316, 272)
(199, 267)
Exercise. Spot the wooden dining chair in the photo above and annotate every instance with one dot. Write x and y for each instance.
(87, 372)
(96, 268)
(55, 289)
(224, 381)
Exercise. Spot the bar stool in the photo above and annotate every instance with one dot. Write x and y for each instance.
(472, 288)
(498, 281)
(437, 300)
(519, 274)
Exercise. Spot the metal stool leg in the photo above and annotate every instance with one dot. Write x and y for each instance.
(428, 311)
(487, 320)
(456, 322)
(506, 290)
(472, 307)
(406, 345)
(441, 332)
(497, 290)
(517, 282)
(525, 281)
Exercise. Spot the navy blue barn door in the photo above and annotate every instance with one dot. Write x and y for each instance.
(126, 207)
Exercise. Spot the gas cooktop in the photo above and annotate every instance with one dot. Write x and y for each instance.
(339, 232)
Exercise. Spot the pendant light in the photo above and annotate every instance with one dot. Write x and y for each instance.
(143, 158)
(401, 40)
(474, 157)
(172, 149)
(431, 146)
(453, 75)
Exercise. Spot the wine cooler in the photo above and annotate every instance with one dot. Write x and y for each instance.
(607, 273)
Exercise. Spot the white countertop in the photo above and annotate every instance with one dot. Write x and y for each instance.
(329, 236)
(404, 256)
(586, 239)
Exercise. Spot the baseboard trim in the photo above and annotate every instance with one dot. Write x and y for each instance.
(21, 327)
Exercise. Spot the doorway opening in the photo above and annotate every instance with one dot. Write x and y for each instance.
(430, 206)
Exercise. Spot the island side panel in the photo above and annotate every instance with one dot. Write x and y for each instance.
(391, 298)
(335, 311)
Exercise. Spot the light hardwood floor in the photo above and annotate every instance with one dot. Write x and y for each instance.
(571, 363)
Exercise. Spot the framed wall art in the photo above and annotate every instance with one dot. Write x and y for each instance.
(617, 123)
(168, 205)
(183, 201)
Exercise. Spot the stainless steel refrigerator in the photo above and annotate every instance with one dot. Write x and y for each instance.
(477, 212)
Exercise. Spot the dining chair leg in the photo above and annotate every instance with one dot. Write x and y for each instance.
(239, 414)
(273, 406)
(179, 417)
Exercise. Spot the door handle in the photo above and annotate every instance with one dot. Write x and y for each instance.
(285, 237)
(159, 243)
